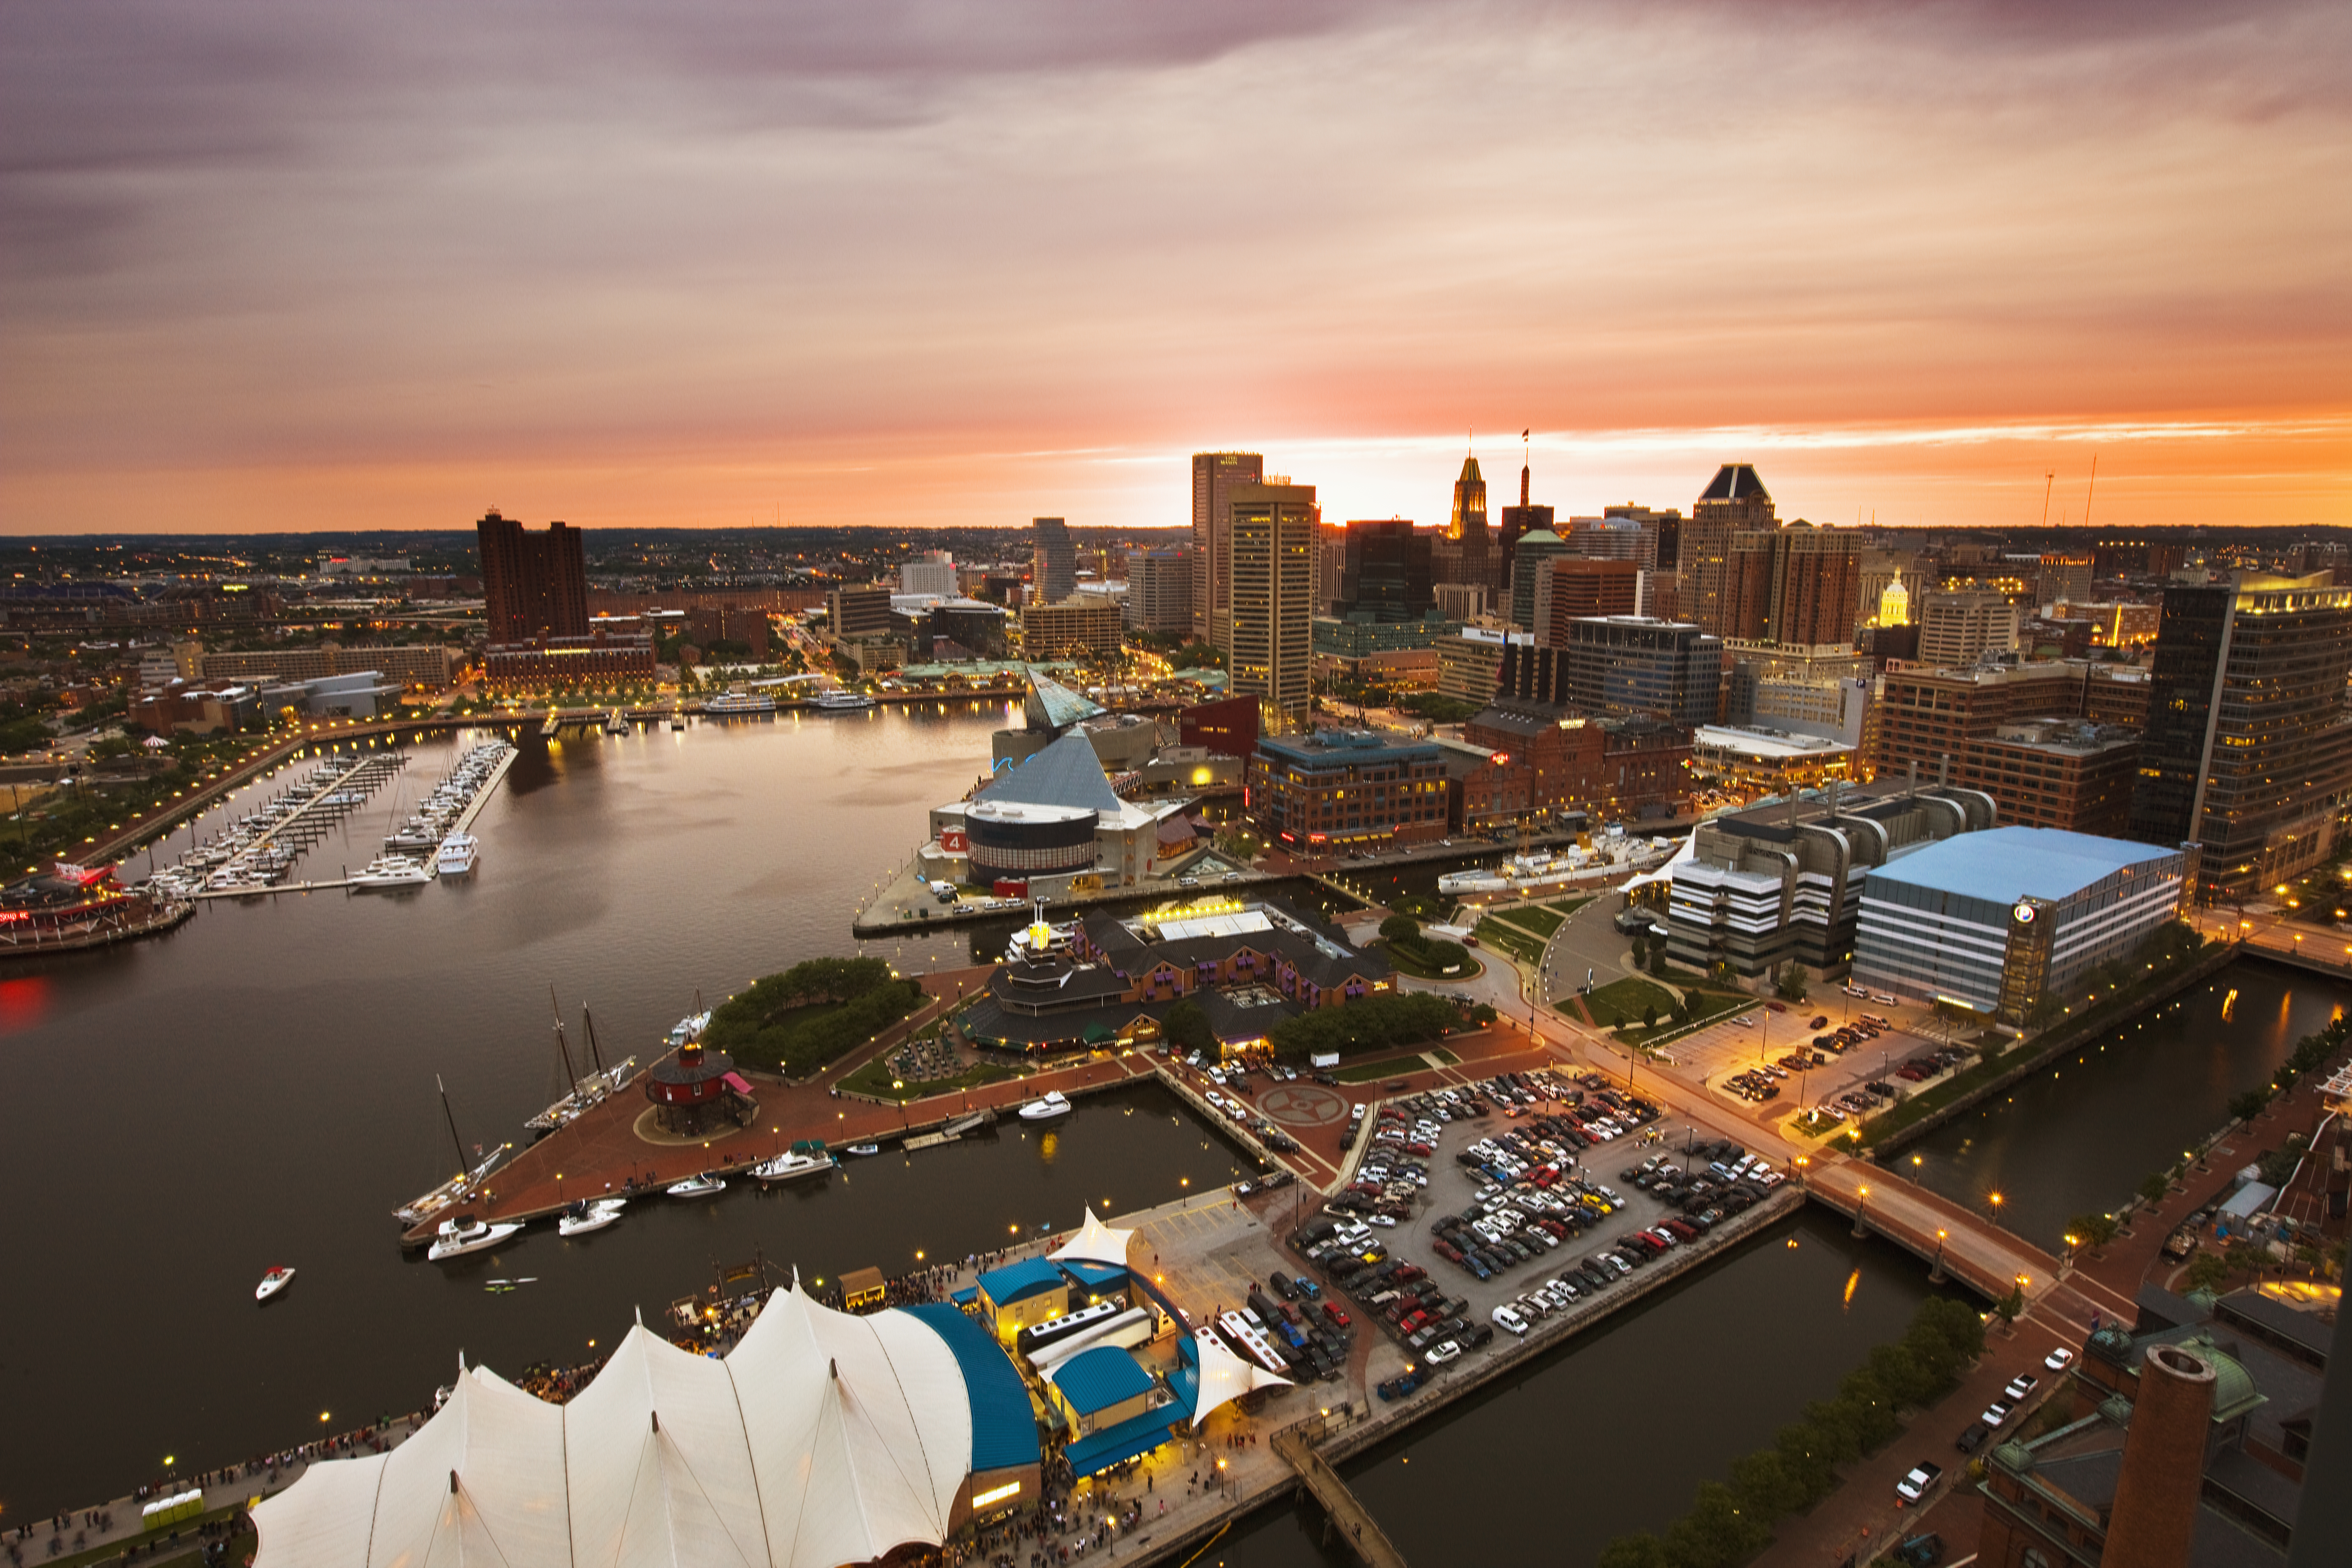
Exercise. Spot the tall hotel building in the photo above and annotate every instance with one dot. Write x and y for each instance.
(1215, 477)
(1271, 619)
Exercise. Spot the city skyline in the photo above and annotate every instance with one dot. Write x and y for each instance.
(280, 268)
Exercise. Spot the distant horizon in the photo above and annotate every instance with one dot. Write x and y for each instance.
(277, 264)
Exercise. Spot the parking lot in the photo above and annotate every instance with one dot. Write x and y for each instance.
(1764, 1048)
(1550, 1192)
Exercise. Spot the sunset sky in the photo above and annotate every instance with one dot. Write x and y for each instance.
(306, 264)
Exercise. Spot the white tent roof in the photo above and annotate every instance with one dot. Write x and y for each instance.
(506, 1448)
(822, 1440)
(1095, 1243)
(322, 1520)
(1225, 1376)
(860, 1430)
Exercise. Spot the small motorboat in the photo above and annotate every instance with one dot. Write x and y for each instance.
(1045, 1109)
(794, 1162)
(701, 1186)
(862, 1149)
(277, 1280)
(466, 1233)
(582, 1215)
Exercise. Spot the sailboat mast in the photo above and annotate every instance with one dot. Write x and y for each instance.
(562, 1046)
(451, 1117)
(588, 1022)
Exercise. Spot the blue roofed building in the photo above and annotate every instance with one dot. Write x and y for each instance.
(1005, 1453)
(1020, 1294)
(1116, 1410)
(2001, 919)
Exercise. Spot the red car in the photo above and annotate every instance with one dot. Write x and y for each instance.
(1334, 1315)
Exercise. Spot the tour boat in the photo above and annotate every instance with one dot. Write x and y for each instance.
(457, 851)
(738, 702)
(1045, 1109)
(842, 702)
(616, 725)
(862, 1149)
(585, 1216)
(792, 1162)
(466, 1233)
(277, 1280)
(696, 1187)
(392, 871)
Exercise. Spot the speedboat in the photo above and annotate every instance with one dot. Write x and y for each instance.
(792, 1162)
(392, 871)
(466, 1233)
(585, 1216)
(277, 1280)
(696, 1187)
(862, 1149)
(1045, 1109)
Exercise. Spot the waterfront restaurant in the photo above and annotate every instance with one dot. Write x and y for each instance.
(2000, 920)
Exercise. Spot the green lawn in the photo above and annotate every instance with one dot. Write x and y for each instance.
(874, 1079)
(1621, 999)
(1537, 918)
(1570, 906)
(1409, 964)
(1520, 944)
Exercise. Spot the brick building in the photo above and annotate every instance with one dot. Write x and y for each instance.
(1347, 789)
(425, 667)
(533, 584)
(2053, 742)
(1612, 767)
(1067, 630)
(1575, 588)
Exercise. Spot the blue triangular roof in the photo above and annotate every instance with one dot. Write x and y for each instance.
(1057, 704)
(1065, 773)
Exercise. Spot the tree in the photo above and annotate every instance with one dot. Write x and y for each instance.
(1791, 984)
(1649, 1015)
(1658, 959)
(1482, 1013)
(1188, 1025)
(2207, 1271)
(2247, 1106)
(2010, 1305)
(1640, 949)
(2092, 1230)
(2153, 1186)
(1400, 929)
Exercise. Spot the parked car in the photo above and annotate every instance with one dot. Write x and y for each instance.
(2021, 1386)
(1996, 1413)
(2059, 1360)
(1913, 1486)
(1969, 1441)
(1507, 1317)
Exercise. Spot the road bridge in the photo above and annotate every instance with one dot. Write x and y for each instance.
(1349, 1518)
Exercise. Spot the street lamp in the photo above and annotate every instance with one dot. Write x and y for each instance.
(1936, 1270)
(1862, 1205)
(1996, 1200)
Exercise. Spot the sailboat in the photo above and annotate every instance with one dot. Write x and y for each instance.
(419, 1210)
(587, 1091)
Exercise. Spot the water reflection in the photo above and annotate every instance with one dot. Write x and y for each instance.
(2081, 1137)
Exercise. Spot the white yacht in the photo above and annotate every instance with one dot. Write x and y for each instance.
(1045, 1109)
(793, 1162)
(696, 1187)
(392, 871)
(457, 855)
(584, 1215)
(842, 702)
(466, 1233)
(277, 1280)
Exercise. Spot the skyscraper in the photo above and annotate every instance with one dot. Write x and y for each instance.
(1798, 584)
(2248, 749)
(1160, 590)
(1956, 629)
(533, 584)
(1465, 553)
(1518, 522)
(1054, 568)
(1271, 619)
(1734, 502)
(1386, 577)
(1215, 476)
(1531, 561)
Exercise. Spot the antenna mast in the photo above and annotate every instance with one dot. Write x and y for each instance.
(2092, 491)
(2048, 480)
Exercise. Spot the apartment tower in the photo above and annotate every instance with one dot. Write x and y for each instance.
(533, 584)
(1215, 477)
(1271, 612)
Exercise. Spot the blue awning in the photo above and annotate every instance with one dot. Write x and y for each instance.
(966, 1297)
(1125, 1441)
